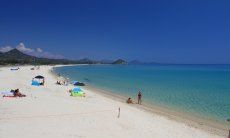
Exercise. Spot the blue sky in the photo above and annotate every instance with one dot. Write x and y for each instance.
(185, 31)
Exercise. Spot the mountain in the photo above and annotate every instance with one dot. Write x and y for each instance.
(86, 61)
(15, 56)
(119, 61)
(135, 62)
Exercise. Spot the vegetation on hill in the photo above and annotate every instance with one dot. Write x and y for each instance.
(15, 56)
(119, 61)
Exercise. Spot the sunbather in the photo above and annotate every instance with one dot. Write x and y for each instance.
(129, 101)
(15, 93)
(18, 94)
(58, 82)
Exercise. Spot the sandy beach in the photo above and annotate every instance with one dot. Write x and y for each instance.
(49, 111)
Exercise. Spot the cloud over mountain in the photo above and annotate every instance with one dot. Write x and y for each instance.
(21, 47)
(5, 49)
(38, 52)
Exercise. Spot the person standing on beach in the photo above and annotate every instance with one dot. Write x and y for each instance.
(139, 96)
(43, 82)
(119, 111)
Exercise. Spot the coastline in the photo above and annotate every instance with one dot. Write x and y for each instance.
(196, 122)
(54, 113)
(211, 126)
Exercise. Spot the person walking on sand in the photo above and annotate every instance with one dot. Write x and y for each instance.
(139, 96)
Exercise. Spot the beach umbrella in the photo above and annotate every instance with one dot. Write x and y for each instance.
(39, 77)
(74, 82)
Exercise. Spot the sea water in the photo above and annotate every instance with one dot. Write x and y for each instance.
(202, 90)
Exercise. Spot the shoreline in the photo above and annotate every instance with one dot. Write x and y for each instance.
(203, 124)
(54, 113)
(211, 126)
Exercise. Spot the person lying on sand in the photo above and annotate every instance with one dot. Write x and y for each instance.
(58, 82)
(129, 101)
(16, 93)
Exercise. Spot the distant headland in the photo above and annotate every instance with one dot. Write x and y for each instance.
(15, 56)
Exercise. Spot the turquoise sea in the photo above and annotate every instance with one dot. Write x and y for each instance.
(200, 90)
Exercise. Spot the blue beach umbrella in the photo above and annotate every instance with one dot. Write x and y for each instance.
(74, 82)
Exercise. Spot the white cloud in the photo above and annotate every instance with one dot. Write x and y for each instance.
(21, 47)
(5, 48)
(38, 52)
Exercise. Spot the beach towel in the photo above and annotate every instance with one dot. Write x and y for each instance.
(7, 93)
(77, 94)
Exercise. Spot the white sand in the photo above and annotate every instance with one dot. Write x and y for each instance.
(49, 111)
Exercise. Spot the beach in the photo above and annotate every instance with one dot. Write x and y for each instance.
(50, 111)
